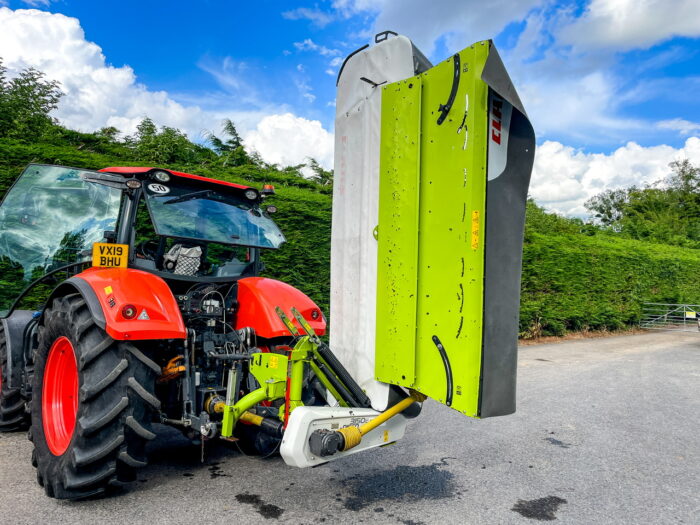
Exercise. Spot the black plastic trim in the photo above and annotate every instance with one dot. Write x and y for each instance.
(85, 290)
(496, 76)
(448, 369)
(340, 371)
(506, 198)
(337, 81)
(446, 107)
(385, 34)
(14, 326)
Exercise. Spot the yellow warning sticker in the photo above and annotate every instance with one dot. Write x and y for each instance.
(108, 290)
(386, 436)
(107, 255)
(274, 361)
(475, 230)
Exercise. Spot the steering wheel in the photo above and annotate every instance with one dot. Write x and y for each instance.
(147, 250)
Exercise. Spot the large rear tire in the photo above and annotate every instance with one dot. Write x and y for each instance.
(93, 404)
(12, 412)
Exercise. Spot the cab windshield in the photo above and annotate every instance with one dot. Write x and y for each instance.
(191, 211)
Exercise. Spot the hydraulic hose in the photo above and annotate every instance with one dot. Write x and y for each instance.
(360, 397)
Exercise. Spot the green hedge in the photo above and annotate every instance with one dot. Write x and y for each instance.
(577, 282)
(571, 281)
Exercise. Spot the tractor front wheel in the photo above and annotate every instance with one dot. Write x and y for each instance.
(12, 413)
(92, 406)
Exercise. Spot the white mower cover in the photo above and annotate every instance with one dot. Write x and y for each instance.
(356, 205)
(305, 420)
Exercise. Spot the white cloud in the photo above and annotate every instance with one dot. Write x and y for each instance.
(584, 108)
(629, 24)
(316, 16)
(622, 24)
(569, 97)
(288, 140)
(463, 22)
(564, 178)
(333, 64)
(682, 126)
(98, 94)
(236, 79)
(568, 94)
(310, 45)
(572, 89)
(304, 88)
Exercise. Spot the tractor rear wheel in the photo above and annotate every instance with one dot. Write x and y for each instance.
(93, 404)
(12, 413)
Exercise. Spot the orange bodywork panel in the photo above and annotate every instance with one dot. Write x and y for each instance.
(257, 299)
(158, 315)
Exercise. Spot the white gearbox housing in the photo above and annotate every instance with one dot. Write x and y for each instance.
(305, 420)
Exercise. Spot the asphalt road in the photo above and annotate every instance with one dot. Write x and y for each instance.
(606, 432)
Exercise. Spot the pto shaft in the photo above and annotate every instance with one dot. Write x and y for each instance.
(327, 442)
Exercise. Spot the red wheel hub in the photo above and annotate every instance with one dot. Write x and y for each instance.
(59, 402)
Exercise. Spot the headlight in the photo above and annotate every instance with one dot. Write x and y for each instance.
(251, 194)
(161, 176)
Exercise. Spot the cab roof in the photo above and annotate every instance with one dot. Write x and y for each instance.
(132, 170)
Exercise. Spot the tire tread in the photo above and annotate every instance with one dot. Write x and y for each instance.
(117, 405)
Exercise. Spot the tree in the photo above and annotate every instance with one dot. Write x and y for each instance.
(25, 104)
(230, 150)
(685, 178)
(165, 146)
(320, 176)
(109, 132)
(607, 207)
(666, 211)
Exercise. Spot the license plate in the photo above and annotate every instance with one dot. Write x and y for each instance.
(108, 255)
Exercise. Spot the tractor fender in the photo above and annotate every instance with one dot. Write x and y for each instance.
(13, 331)
(257, 299)
(108, 290)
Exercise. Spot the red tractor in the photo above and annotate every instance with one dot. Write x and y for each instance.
(158, 313)
(162, 318)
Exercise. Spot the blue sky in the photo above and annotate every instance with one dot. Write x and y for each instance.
(612, 86)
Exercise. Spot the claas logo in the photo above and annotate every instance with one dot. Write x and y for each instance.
(496, 116)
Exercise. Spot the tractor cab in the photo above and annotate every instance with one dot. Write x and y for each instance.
(188, 228)
(184, 228)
